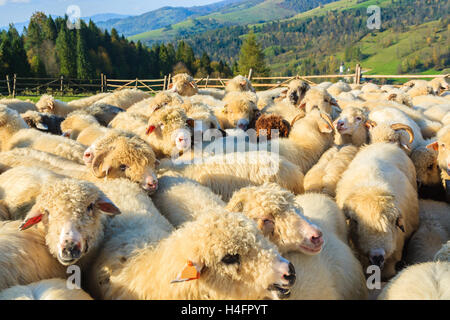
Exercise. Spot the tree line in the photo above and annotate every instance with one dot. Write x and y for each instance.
(48, 47)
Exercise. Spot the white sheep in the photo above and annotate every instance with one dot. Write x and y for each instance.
(139, 261)
(124, 98)
(19, 105)
(434, 230)
(330, 271)
(425, 281)
(326, 173)
(50, 289)
(378, 193)
(14, 133)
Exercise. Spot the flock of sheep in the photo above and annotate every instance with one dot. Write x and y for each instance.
(113, 184)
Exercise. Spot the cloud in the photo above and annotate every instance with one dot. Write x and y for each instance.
(3, 2)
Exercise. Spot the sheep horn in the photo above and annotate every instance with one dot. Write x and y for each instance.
(401, 126)
(392, 96)
(327, 118)
(297, 117)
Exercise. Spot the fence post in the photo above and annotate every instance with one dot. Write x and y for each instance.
(61, 85)
(357, 74)
(168, 81)
(250, 74)
(7, 83)
(14, 86)
(164, 85)
(101, 82)
(135, 86)
(105, 82)
(206, 83)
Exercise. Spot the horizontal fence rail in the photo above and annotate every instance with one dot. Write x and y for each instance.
(13, 85)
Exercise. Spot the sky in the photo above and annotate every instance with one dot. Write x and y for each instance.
(20, 10)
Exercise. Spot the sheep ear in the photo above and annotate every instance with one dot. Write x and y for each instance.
(190, 122)
(325, 126)
(284, 92)
(171, 86)
(33, 217)
(97, 162)
(433, 146)
(51, 105)
(107, 206)
(400, 224)
(370, 124)
(190, 271)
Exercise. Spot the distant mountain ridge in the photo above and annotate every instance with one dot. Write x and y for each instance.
(164, 17)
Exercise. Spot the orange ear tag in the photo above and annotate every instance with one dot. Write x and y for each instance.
(189, 272)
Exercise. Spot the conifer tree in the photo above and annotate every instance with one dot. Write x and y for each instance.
(252, 57)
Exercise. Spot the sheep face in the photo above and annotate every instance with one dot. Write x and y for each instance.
(427, 169)
(397, 134)
(169, 131)
(296, 91)
(123, 157)
(184, 85)
(46, 104)
(234, 258)
(317, 98)
(278, 218)
(239, 84)
(442, 146)
(376, 226)
(71, 213)
(350, 121)
(272, 122)
(239, 112)
(75, 123)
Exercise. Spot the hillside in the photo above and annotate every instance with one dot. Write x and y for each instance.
(163, 17)
(414, 37)
(241, 13)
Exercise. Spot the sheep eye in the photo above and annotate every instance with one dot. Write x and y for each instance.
(90, 207)
(430, 167)
(123, 167)
(358, 118)
(231, 259)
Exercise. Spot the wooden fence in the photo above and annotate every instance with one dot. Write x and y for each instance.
(14, 85)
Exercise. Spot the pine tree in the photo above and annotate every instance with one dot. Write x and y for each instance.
(252, 57)
(66, 52)
(84, 68)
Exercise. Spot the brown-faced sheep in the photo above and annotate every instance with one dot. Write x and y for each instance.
(272, 122)
(378, 194)
(325, 270)
(14, 133)
(43, 122)
(325, 174)
(50, 289)
(425, 281)
(140, 261)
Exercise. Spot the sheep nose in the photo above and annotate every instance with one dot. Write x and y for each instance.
(377, 260)
(317, 239)
(290, 277)
(72, 250)
(340, 124)
(151, 183)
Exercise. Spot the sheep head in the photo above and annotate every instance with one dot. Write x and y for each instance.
(71, 212)
(124, 157)
(230, 255)
(239, 111)
(426, 164)
(239, 84)
(394, 133)
(184, 85)
(278, 217)
(442, 147)
(272, 122)
(46, 104)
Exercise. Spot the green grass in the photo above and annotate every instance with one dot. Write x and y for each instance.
(36, 99)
